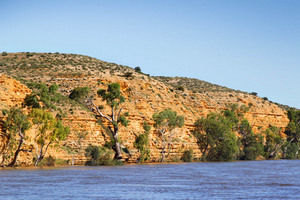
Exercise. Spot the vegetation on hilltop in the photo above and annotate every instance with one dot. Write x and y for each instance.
(192, 84)
(37, 66)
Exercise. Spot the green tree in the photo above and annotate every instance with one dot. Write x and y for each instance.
(49, 131)
(215, 137)
(14, 127)
(251, 144)
(114, 99)
(274, 142)
(292, 146)
(142, 143)
(165, 123)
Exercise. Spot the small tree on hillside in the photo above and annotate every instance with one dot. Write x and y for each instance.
(49, 131)
(165, 123)
(14, 127)
(114, 99)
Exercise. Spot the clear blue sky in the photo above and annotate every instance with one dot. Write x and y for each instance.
(250, 45)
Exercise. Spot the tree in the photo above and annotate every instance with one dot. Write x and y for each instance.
(142, 142)
(274, 142)
(215, 137)
(292, 145)
(251, 144)
(165, 123)
(114, 99)
(14, 127)
(50, 130)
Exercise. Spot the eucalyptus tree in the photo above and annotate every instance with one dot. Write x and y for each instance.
(216, 138)
(14, 125)
(113, 99)
(165, 123)
(49, 131)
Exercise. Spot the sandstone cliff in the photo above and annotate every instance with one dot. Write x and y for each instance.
(144, 95)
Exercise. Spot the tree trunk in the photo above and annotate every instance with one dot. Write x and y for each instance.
(117, 144)
(162, 154)
(13, 162)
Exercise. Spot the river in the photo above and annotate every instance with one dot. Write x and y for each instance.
(278, 179)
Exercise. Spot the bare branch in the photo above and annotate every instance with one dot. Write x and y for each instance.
(93, 106)
(26, 150)
(119, 113)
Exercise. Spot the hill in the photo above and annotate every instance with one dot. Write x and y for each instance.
(144, 96)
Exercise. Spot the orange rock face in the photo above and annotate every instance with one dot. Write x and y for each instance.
(144, 96)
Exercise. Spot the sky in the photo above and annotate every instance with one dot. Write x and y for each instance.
(248, 45)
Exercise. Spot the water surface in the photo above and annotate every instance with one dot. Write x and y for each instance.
(230, 180)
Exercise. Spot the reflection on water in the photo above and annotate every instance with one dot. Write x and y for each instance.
(231, 180)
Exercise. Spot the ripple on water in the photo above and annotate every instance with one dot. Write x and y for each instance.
(233, 180)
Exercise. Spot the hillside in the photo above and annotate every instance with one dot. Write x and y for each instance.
(144, 96)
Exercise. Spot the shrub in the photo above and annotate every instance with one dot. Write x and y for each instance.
(142, 143)
(31, 101)
(59, 161)
(79, 93)
(47, 161)
(4, 53)
(265, 98)
(187, 156)
(137, 69)
(128, 75)
(100, 156)
(53, 88)
(254, 93)
(181, 88)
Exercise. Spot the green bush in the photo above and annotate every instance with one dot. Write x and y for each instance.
(181, 88)
(142, 143)
(137, 69)
(53, 88)
(187, 155)
(47, 161)
(128, 75)
(100, 156)
(4, 53)
(31, 101)
(79, 93)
